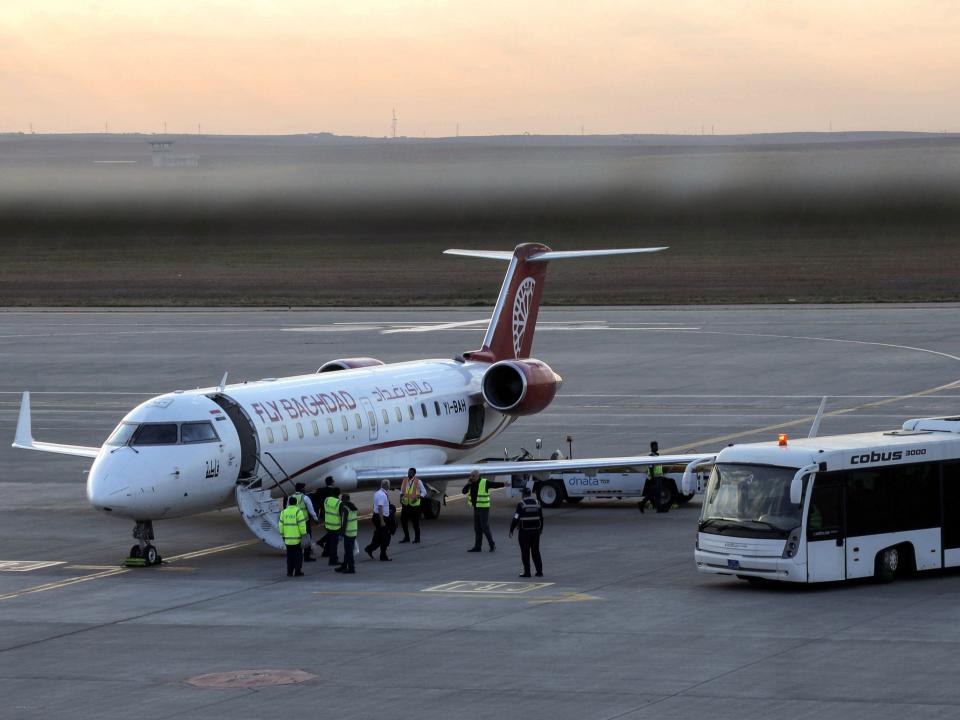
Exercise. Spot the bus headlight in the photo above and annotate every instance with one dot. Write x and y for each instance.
(793, 543)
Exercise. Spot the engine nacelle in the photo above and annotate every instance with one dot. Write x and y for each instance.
(520, 387)
(349, 364)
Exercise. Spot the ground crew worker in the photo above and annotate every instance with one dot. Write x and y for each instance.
(293, 528)
(411, 490)
(477, 491)
(306, 504)
(381, 515)
(653, 487)
(332, 524)
(318, 498)
(529, 517)
(348, 517)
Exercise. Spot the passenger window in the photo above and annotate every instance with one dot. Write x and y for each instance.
(410, 412)
(283, 429)
(300, 430)
(423, 409)
(436, 406)
(357, 420)
(386, 418)
(269, 435)
(316, 429)
(329, 425)
(399, 415)
(156, 434)
(343, 421)
(197, 432)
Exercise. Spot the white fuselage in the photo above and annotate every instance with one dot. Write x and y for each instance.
(302, 428)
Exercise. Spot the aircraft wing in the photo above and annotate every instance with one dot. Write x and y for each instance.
(370, 476)
(24, 437)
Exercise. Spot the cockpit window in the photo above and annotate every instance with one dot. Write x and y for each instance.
(156, 434)
(197, 432)
(123, 433)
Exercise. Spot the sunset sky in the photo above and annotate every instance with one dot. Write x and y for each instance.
(496, 66)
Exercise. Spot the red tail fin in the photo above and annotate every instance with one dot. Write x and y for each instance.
(510, 332)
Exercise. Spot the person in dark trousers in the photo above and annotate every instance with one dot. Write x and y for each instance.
(348, 517)
(306, 504)
(332, 524)
(653, 487)
(318, 498)
(411, 491)
(529, 518)
(477, 491)
(293, 528)
(381, 517)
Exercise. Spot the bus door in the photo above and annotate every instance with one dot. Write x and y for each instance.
(826, 554)
(951, 514)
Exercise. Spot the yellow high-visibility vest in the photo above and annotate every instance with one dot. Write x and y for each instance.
(409, 493)
(292, 525)
(483, 495)
(331, 514)
(351, 530)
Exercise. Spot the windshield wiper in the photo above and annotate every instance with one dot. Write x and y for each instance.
(767, 524)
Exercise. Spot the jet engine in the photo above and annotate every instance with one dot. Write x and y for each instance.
(349, 364)
(520, 387)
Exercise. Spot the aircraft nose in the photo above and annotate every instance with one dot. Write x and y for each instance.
(107, 486)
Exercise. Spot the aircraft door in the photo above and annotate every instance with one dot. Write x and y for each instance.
(249, 444)
(371, 418)
(826, 553)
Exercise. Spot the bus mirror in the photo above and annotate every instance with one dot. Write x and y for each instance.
(796, 486)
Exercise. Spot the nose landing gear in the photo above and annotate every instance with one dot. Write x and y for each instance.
(143, 554)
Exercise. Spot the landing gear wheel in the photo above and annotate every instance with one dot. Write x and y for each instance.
(430, 509)
(549, 494)
(135, 552)
(151, 556)
(886, 565)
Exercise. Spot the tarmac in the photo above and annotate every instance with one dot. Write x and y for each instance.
(622, 625)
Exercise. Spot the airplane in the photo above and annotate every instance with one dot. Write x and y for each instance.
(358, 420)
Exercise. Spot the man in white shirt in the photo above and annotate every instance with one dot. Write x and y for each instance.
(381, 513)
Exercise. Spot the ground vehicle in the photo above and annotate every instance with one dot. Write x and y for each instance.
(834, 508)
(623, 482)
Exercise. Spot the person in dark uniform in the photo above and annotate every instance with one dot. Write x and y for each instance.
(318, 498)
(477, 491)
(529, 518)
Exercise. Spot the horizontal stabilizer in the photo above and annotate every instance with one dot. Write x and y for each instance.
(24, 437)
(370, 476)
(550, 254)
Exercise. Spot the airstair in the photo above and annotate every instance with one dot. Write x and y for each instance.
(258, 506)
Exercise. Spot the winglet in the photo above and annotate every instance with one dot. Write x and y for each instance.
(24, 436)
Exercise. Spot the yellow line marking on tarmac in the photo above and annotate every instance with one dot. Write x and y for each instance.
(92, 567)
(27, 565)
(211, 551)
(120, 570)
(565, 597)
(63, 583)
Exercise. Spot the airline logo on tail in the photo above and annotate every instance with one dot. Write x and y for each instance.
(521, 312)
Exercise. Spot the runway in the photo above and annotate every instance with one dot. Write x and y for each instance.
(625, 629)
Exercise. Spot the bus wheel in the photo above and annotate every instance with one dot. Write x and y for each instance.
(550, 494)
(668, 494)
(886, 565)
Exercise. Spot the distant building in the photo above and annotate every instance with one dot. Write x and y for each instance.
(163, 156)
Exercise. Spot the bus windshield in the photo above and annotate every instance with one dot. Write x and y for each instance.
(749, 501)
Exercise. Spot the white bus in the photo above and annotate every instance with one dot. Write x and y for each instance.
(819, 509)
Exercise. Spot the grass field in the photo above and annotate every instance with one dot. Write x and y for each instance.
(300, 223)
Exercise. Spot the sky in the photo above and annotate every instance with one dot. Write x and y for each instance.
(490, 66)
